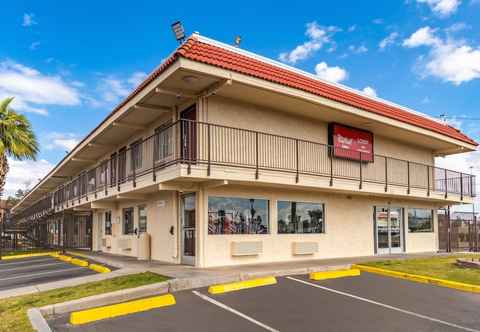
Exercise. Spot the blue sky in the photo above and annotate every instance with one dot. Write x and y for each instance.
(70, 62)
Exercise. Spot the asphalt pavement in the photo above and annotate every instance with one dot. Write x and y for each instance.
(23, 272)
(365, 303)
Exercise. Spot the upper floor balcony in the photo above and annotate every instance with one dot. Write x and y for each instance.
(202, 151)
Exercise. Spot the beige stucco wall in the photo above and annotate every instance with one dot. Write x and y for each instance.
(349, 228)
(229, 112)
(161, 216)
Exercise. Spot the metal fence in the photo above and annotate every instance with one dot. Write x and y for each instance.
(458, 232)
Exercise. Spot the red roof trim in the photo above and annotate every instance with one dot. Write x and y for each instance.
(199, 51)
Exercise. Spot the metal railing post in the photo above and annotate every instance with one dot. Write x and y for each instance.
(208, 150)
(408, 177)
(256, 156)
(134, 165)
(156, 138)
(446, 184)
(386, 174)
(117, 170)
(297, 176)
(428, 180)
(106, 177)
(461, 186)
(361, 173)
(330, 152)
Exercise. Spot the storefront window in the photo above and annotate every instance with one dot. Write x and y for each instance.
(420, 220)
(108, 223)
(142, 219)
(233, 215)
(300, 218)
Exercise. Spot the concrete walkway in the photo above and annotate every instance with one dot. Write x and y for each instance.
(187, 277)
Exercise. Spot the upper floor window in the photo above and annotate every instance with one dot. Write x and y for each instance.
(420, 220)
(300, 218)
(163, 142)
(136, 150)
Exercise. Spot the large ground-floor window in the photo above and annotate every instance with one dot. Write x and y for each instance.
(420, 220)
(235, 215)
(300, 218)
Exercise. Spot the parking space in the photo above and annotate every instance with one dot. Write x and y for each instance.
(36, 270)
(364, 303)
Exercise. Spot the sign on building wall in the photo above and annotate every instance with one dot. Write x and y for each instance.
(350, 143)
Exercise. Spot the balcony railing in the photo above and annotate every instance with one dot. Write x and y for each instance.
(197, 143)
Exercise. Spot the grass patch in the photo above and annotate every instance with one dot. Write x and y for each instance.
(436, 267)
(13, 311)
(25, 251)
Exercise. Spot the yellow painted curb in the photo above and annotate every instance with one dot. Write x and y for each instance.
(99, 268)
(79, 254)
(79, 262)
(234, 286)
(29, 255)
(121, 309)
(322, 275)
(423, 279)
(64, 258)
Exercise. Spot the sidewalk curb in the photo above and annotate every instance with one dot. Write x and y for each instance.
(39, 323)
(106, 299)
(421, 279)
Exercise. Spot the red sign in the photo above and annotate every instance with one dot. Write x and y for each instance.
(351, 143)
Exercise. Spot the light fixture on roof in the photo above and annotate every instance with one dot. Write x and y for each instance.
(190, 78)
(238, 40)
(178, 31)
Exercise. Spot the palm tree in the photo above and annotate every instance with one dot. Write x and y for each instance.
(17, 139)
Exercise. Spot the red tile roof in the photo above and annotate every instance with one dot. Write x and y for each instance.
(212, 54)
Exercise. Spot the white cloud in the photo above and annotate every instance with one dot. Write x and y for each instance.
(449, 59)
(34, 45)
(369, 91)
(378, 21)
(442, 8)
(136, 78)
(25, 174)
(111, 89)
(389, 40)
(333, 74)
(422, 37)
(317, 35)
(33, 90)
(358, 49)
(352, 28)
(28, 20)
(63, 141)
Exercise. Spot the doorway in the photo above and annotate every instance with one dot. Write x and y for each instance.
(188, 221)
(389, 233)
(188, 130)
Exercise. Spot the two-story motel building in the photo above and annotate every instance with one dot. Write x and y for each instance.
(223, 157)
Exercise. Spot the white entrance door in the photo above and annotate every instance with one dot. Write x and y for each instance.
(188, 221)
(389, 230)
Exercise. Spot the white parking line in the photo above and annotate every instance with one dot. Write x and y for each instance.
(30, 267)
(236, 312)
(26, 262)
(43, 273)
(385, 305)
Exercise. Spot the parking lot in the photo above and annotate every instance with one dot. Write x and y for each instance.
(365, 303)
(36, 270)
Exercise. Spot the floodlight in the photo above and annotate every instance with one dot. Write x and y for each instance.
(179, 31)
